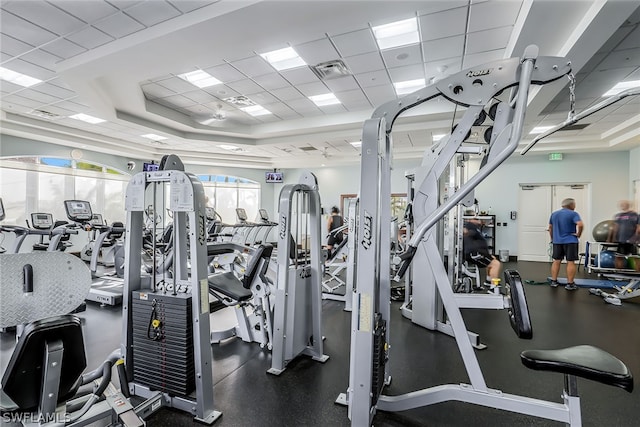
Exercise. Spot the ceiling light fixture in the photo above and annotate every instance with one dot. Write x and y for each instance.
(153, 137)
(87, 118)
(324, 99)
(230, 147)
(256, 110)
(539, 129)
(18, 78)
(356, 144)
(284, 59)
(395, 34)
(403, 88)
(622, 86)
(438, 137)
(200, 78)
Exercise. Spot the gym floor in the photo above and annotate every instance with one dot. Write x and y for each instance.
(304, 394)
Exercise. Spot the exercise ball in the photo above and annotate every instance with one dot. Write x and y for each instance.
(601, 230)
(605, 259)
(634, 262)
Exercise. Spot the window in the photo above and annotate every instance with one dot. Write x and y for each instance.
(226, 193)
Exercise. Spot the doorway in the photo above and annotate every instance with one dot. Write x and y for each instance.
(536, 202)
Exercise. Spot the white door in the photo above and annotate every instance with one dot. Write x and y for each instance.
(580, 194)
(534, 207)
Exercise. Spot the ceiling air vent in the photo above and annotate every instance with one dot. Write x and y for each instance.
(577, 126)
(331, 70)
(308, 148)
(45, 114)
(241, 101)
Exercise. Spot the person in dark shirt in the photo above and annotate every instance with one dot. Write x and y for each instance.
(335, 221)
(476, 249)
(626, 229)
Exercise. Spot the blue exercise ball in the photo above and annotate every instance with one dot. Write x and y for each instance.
(607, 259)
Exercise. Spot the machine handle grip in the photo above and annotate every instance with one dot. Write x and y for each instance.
(405, 260)
(27, 280)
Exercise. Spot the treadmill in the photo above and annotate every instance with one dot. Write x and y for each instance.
(105, 289)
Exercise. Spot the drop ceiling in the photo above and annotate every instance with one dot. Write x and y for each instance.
(120, 61)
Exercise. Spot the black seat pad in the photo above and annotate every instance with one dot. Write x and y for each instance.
(230, 286)
(583, 361)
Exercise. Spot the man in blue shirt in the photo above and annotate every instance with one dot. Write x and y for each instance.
(626, 229)
(565, 228)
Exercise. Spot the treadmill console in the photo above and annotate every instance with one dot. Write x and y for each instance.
(242, 214)
(96, 219)
(42, 221)
(78, 210)
(264, 215)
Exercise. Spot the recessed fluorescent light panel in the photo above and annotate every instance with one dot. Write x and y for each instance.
(438, 137)
(87, 118)
(356, 143)
(325, 99)
(403, 88)
(622, 86)
(230, 147)
(256, 110)
(395, 34)
(200, 78)
(18, 78)
(539, 129)
(284, 59)
(153, 137)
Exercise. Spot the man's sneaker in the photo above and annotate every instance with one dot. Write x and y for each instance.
(553, 283)
(571, 286)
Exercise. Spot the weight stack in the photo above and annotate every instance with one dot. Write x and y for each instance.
(165, 364)
(380, 357)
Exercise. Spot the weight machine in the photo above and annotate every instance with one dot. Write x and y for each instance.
(165, 329)
(369, 370)
(297, 328)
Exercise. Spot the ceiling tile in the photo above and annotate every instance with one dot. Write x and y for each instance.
(341, 84)
(29, 69)
(300, 75)
(225, 73)
(409, 72)
(630, 40)
(13, 47)
(45, 15)
(186, 6)
(55, 91)
(355, 43)
(333, 109)
(483, 57)
(60, 83)
(271, 81)
(443, 24)
(20, 100)
(481, 41)
(365, 63)
(253, 66)
(378, 95)
(153, 90)
(374, 78)
(443, 48)
(118, 25)
(125, 4)
(281, 110)
(177, 85)
(245, 87)
(303, 106)
(89, 38)
(24, 30)
(287, 93)
(152, 13)
(312, 89)
(434, 6)
(88, 11)
(176, 100)
(221, 91)
(317, 51)
(263, 98)
(621, 58)
(406, 55)
(43, 98)
(42, 59)
(199, 96)
(64, 48)
(353, 100)
(487, 15)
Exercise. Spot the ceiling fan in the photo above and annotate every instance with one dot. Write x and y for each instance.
(217, 116)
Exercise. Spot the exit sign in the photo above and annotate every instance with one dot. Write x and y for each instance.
(555, 156)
